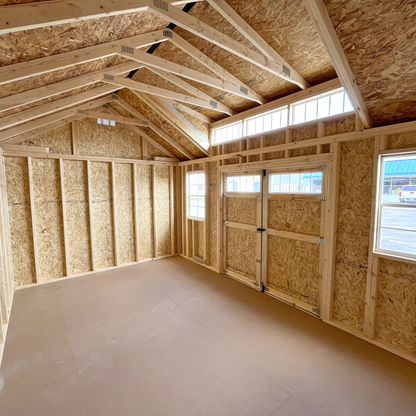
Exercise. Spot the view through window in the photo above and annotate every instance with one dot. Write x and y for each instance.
(196, 195)
(397, 205)
(296, 183)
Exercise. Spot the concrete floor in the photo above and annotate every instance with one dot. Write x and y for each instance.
(173, 338)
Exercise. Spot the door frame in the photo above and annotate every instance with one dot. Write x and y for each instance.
(327, 227)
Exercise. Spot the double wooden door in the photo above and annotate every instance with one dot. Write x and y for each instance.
(272, 237)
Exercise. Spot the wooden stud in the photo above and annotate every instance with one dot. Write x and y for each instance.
(62, 177)
(154, 202)
(172, 211)
(262, 155)
(184, 212)
(114, 198)
(288, 153)
(321, 133)
(380, 143)
(75, 137)
(207, 207)
(179, 209)
(144, 149)
(136, 220)
(33, 217)
(220, 209)
(91, 216)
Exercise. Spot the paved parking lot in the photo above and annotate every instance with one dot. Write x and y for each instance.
(398, 226)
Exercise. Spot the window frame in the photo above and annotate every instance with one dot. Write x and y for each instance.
(241, 194)
(377, 251)
(188, 195)
(298, 170)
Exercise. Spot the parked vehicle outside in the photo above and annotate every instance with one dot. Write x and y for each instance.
(408, 193)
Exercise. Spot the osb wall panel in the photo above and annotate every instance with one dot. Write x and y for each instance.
(241, 253)
(199, 239)
(213, 206)
(305, 151)
(243, 210)
(77, 216)
(305, 133)
(18, 197)
(99, 140)
(293, 268)
(124, 209)
(151, 151)
(295, 215)
(145, 210)
(402, 141)
(58, 140)
(377, 37)
(102, 206)
(354, 221)
(48, 215)
(163, 210)
(273, 139)
(344, 125)
(396, 304)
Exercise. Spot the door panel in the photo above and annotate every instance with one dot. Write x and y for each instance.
(242, 217)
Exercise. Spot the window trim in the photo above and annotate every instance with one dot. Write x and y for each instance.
(377, 251)
(188, 195)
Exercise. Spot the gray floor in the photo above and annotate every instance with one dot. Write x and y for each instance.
(173, 338)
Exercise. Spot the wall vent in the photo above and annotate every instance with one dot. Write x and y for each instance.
(160, 5)
(168, 33)
(244, 90)
(127, 49)
(213, 104)
(286, 70)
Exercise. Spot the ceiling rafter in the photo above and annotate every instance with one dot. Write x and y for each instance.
(18, 17)
(203, 59)
(156, 129)
(185, 128)
(320, 17)
(212, 35)
(10, 135)
(164, 64)
(55, 106)
(161, 92)
(39, 66)
(179, 82)
(50, 90)
(188, 110)
(226, 11)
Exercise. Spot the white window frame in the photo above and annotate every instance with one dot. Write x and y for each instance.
(188, 195)
(379, 205)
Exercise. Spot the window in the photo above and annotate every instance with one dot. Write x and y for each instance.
(296, 183)
(246, 183)
(265, 122)
(325, 105)
(228, 133)
(196, 195)
(337, 102)
(396, 211)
